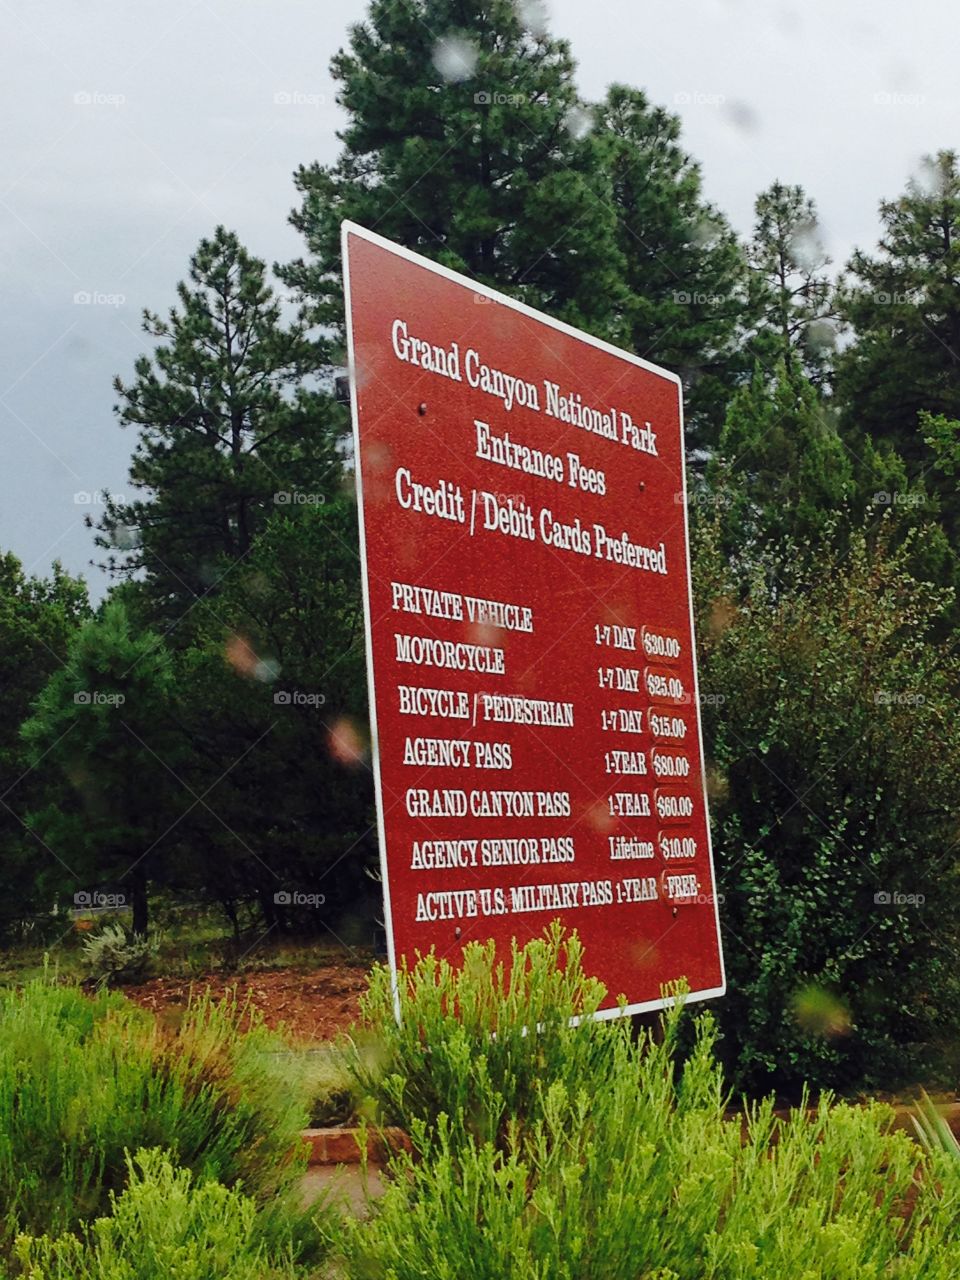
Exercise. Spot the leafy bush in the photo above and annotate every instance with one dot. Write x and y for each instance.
(465, 1045)
(830, 717)
(631, 1169)
(115, 956)
(163, 1224)
(83, 1080)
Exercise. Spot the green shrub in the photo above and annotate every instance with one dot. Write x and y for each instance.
(164, 1224)
(114, 956)
(630, 1168)
(83, 1080)
(830, 716)
(465, 1045)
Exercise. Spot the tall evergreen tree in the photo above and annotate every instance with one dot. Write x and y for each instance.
(683, 267)
(781, 470)
(791, 291)
(466, 141)
(38, 618)
(228, 427)
(275, 679)
(903, 306)
(102, 732)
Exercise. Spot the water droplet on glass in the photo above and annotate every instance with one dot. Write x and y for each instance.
(819, 1013)
(741, 115)
(579, 121)
(533, 15)
(455, 57)
(346, 742)
(821, 335)
(807, 248)
(266, 670)
(240, 655)
(704, 232)
(124, 537)
(927, 178)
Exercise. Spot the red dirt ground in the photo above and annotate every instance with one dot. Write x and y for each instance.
(311, 1004)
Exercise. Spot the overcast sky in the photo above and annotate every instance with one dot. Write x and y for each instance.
(131, 129)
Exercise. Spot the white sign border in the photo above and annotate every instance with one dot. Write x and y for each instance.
(347, 229)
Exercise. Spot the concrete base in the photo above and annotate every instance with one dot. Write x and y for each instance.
(344, 1185)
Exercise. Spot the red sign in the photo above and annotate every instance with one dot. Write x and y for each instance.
(530, 648)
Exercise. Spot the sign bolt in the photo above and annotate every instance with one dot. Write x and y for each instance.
(422, 410)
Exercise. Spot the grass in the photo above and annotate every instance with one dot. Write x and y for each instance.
(193, 944)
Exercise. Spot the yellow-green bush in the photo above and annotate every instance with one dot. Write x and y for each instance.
(614, 1161)
(83, 1081)
(463, 1045)
(164, 1224)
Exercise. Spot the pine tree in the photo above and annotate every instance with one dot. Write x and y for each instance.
(279, 677)
(38, 618)
(791, 291)
(781, 470)
(904, 308)
(466, 141)
(683, 267)
(227, 430)
(102, 733)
